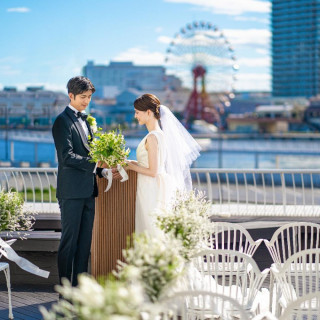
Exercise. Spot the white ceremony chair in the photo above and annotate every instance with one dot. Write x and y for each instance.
(231, 273)
(304, 308)
(4, 266)
(231, 236)
(290, 239)
(201, 305)
(297, 277)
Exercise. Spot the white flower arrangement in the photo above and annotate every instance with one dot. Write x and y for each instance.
(13, 217)
(92, 301)
(187, 220)
(156, 262)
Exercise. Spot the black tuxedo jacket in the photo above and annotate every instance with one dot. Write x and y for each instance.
(75, 173)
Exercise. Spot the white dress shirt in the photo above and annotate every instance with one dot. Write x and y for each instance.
(82, 122)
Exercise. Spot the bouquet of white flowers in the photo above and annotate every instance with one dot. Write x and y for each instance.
(187, 220)
(156, 262)
(94, 301)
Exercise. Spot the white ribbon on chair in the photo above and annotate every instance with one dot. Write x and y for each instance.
(123, 175)
(23, 263)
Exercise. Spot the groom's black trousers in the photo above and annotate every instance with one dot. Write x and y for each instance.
(77, 216)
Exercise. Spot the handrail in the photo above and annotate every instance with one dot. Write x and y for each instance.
(239, 192)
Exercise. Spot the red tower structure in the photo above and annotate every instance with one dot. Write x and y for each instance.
(199, 105)
(202, 48)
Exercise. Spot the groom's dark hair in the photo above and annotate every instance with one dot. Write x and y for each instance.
(79, 84)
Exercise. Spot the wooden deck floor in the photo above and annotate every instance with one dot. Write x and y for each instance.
(26, 301)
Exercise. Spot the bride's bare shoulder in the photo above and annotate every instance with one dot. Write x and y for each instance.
(151, 140)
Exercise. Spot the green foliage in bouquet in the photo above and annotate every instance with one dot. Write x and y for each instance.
(109, 148)
(12, 215)
(187, 220)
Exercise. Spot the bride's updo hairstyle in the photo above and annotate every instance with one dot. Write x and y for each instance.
(147, 102)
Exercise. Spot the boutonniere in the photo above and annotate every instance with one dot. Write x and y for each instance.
(93, 123)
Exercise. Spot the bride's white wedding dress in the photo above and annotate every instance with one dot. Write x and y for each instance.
(152, 192)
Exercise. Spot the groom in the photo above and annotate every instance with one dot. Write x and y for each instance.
(76, 183)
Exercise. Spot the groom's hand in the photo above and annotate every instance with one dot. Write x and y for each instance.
(115, 174)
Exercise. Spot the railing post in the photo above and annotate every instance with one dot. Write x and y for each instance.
(284, 194)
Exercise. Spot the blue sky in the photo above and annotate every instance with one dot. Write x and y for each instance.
(47, 42)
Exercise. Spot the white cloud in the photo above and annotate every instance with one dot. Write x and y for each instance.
(253, 81)
(141, 56)
(164, 39)
(248, 36)
(254, 62)
(8, 71)
(158, 29)
(20, 10)
(254, 19)
(11, 59)
(236, 37)
(262, 51)
(230, 7)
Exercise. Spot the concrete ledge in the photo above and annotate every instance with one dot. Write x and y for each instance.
(47, 241)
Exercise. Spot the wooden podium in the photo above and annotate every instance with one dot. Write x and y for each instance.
(114, 222)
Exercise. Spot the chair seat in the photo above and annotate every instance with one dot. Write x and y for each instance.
(3, 265)
(228, 267)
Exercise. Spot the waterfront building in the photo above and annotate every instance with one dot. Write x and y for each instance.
(120, 76)
(120, 110)
(269, 119)
(34, 107)
(295, 48)
(312, 113)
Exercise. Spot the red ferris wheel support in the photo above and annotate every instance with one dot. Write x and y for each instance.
(199, 106)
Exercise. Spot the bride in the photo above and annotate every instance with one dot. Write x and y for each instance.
(164, 157)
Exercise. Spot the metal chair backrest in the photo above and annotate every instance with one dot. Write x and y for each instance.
(231, 273)
(231, 236)
(304, 308)
(201, 305)
(292, 238)
(299, 275)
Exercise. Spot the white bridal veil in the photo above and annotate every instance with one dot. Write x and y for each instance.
(182, 149)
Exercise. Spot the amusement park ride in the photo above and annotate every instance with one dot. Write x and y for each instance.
(202, 48)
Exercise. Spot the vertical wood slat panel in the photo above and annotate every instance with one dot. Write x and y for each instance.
(114, 222)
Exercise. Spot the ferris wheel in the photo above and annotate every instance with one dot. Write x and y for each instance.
(201, 56)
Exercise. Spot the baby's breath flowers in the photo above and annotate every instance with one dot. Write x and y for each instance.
(112, 299)
(12, 215)
(186, 220)
(156, 261)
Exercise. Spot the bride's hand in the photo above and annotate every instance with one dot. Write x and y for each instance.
(130, 164)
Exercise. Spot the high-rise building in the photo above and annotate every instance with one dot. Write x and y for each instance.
(110, 80)
(295, 48)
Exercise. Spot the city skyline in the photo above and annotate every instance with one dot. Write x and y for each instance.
(47, 43)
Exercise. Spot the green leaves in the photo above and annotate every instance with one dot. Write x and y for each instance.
(109, 147)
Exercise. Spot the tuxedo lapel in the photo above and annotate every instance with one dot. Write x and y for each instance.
(90, 131)
(78, 125)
